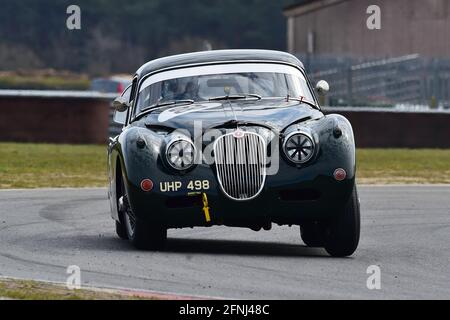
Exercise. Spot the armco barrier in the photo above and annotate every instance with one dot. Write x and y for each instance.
(86, 117)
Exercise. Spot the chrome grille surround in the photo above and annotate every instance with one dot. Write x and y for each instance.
(242, 172)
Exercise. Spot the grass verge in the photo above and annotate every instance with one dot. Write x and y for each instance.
(34, 290)
(46, 165)
(403, 166)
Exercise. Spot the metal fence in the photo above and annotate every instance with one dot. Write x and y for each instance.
(407, 80)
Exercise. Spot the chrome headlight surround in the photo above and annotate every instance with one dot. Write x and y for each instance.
(181, 154)
(299, 147)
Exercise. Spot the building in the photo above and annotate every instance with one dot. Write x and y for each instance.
(339, 28)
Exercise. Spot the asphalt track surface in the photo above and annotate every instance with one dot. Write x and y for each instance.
(405, 231)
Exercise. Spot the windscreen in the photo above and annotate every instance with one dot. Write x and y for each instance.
(208, 82)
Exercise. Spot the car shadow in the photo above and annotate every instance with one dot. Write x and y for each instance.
(236, 247)
(193, 246)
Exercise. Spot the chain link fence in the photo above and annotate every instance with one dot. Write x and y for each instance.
(403, 82)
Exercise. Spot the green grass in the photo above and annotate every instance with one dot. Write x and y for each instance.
(403, 166)
(45, 165)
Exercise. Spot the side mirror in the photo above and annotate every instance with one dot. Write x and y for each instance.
(322, 87)
(120, 117)
(120, 104)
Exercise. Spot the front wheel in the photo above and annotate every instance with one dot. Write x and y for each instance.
(142, 234)
(342, 234)
(312, 234)
(121, 231)
(146, 236)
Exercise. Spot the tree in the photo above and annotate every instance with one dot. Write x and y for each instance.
(118, 36)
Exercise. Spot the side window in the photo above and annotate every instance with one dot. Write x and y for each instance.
(133, 96)
(127, 93)
(133, 87)
(121, 117)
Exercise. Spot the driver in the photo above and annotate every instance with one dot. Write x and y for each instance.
(187, 89)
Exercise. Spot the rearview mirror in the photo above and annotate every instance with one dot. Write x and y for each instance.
(322, 87)
(120, 104)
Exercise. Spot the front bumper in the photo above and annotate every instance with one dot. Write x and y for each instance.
(290, 197)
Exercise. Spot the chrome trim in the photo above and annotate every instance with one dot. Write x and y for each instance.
(241, 173)
(175, 140)
(313, 144)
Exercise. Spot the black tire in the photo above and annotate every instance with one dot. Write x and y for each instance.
(312, 234)
(121, 231)
(342, 234)
(148, 236)
(143, 235)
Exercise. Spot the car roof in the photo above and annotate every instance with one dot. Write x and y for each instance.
(205, 57)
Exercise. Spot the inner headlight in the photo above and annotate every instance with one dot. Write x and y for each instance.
(181, 154)
(299, 147)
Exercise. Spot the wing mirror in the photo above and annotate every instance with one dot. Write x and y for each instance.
(120, 104)
(322, 87)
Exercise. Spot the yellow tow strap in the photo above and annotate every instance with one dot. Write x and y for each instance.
(206, 207)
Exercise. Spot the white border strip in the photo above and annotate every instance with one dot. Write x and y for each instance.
(220, 69)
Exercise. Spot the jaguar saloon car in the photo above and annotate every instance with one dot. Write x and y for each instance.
(232, 138)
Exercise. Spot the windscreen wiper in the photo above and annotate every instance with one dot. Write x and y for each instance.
(158, 105)
(302, 100)
(168, 103)
(236, 97)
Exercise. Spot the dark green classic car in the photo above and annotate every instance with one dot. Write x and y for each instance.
(234, 138)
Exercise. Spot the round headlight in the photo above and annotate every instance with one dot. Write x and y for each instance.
(181, 154)
(299, 147)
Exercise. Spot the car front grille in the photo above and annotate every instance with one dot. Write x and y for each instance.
(240, 159)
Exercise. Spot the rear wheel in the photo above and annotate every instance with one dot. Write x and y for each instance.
(342, 234)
